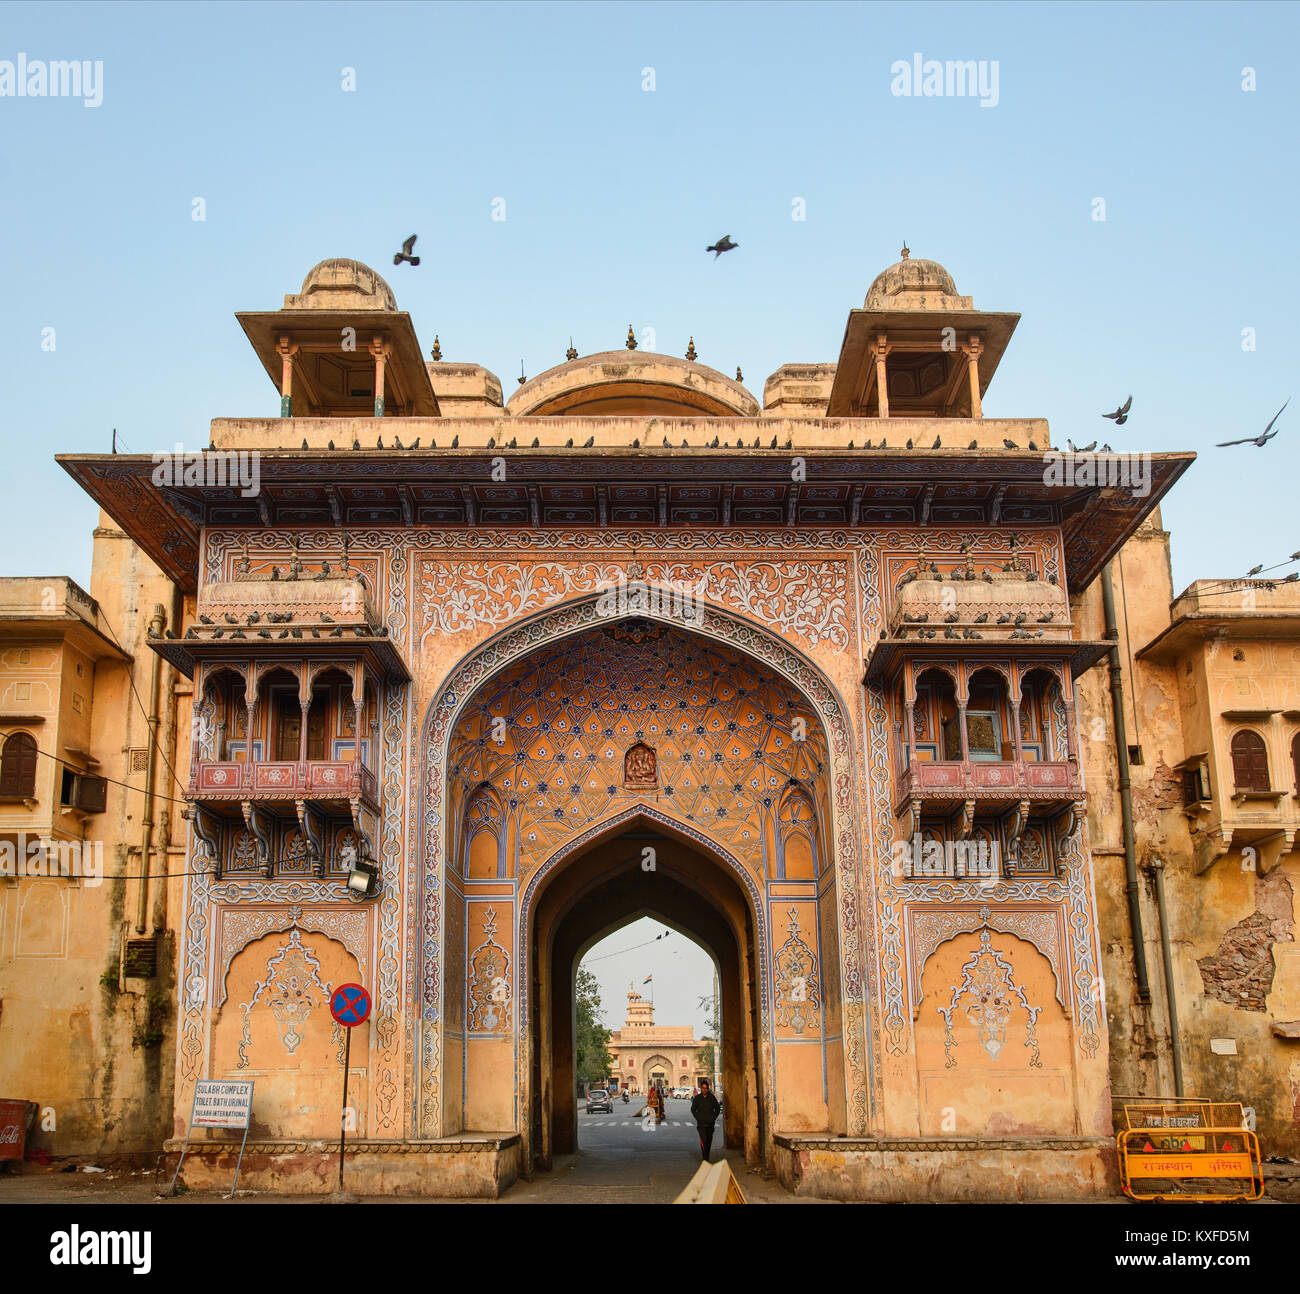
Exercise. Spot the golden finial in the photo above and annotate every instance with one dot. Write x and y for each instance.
(690, 350)
(570, 354)
(631, 338)
(437, 349)
(906, 250)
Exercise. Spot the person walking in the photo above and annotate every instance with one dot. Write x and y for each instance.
(704, 1110)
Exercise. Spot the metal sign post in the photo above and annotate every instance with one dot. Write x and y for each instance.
(350, 1006)
(218, 1103)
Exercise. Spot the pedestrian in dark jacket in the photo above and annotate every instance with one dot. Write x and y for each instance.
(704, 1110)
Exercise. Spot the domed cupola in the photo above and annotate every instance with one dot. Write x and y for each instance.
(340, 348)
(917, 349)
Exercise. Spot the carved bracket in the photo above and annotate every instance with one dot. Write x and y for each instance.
(207, 826)
(1210, 847)
(312, 823)
(967, 820)
(364, 823)
(258, 822)
(1016, 822)
(1067, 825)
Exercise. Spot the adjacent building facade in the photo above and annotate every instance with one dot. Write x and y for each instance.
(822, 682)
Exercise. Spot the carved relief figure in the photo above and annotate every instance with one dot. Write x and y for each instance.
(640, 770)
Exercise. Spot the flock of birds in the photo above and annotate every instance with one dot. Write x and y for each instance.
(1119, 417)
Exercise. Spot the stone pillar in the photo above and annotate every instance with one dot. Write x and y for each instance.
(358, 707)
(973, 351)
(1015, 695)
(963, 697)
(1066, 689)
(380, 349)
(881, 350)
(288, 352)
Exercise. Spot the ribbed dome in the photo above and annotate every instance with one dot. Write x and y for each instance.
(909, 278)
(342, 282)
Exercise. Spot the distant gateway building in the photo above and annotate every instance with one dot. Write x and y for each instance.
(646, 1055)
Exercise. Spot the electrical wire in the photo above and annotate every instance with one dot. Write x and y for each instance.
(171, 799)
(606, 956)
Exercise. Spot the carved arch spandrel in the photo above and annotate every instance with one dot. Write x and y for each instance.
(239, 927)
(928, 928)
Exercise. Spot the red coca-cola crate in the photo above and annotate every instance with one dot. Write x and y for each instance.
(15, 1119)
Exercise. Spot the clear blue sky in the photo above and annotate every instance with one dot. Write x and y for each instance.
(612, 193)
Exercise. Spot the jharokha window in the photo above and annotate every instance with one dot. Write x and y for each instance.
(288, 725)
(18, 767)
(1249, 762)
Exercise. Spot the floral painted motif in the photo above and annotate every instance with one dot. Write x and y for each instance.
(293, 989)
(797, 998)
(988, 995)
(808, 598)
(489, 982)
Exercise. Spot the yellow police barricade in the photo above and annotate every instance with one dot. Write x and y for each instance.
(1187, 1148)
(713, 1184)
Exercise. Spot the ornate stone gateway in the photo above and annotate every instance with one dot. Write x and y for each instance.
(476, 681)
(700, 777)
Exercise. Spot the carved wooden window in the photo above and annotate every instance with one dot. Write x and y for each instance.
(288, 727)
(18, 767)
(1249, 762)
(983, 734)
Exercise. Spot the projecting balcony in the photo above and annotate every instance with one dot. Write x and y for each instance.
(987, 786)
(330, 784)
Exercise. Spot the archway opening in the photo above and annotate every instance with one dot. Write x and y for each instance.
(646, 1025)
(644, 869)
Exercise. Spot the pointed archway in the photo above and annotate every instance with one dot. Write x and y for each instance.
(784, 822)
(600, 884)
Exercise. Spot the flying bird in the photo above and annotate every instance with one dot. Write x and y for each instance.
(724, 244)
(1261, 440)
(1120, 416)
(405, 253)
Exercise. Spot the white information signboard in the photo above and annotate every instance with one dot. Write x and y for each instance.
(222, 1103)
(218, 1103)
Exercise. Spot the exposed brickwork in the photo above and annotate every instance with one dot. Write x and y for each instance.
(1162, 791)
(1240, 973)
